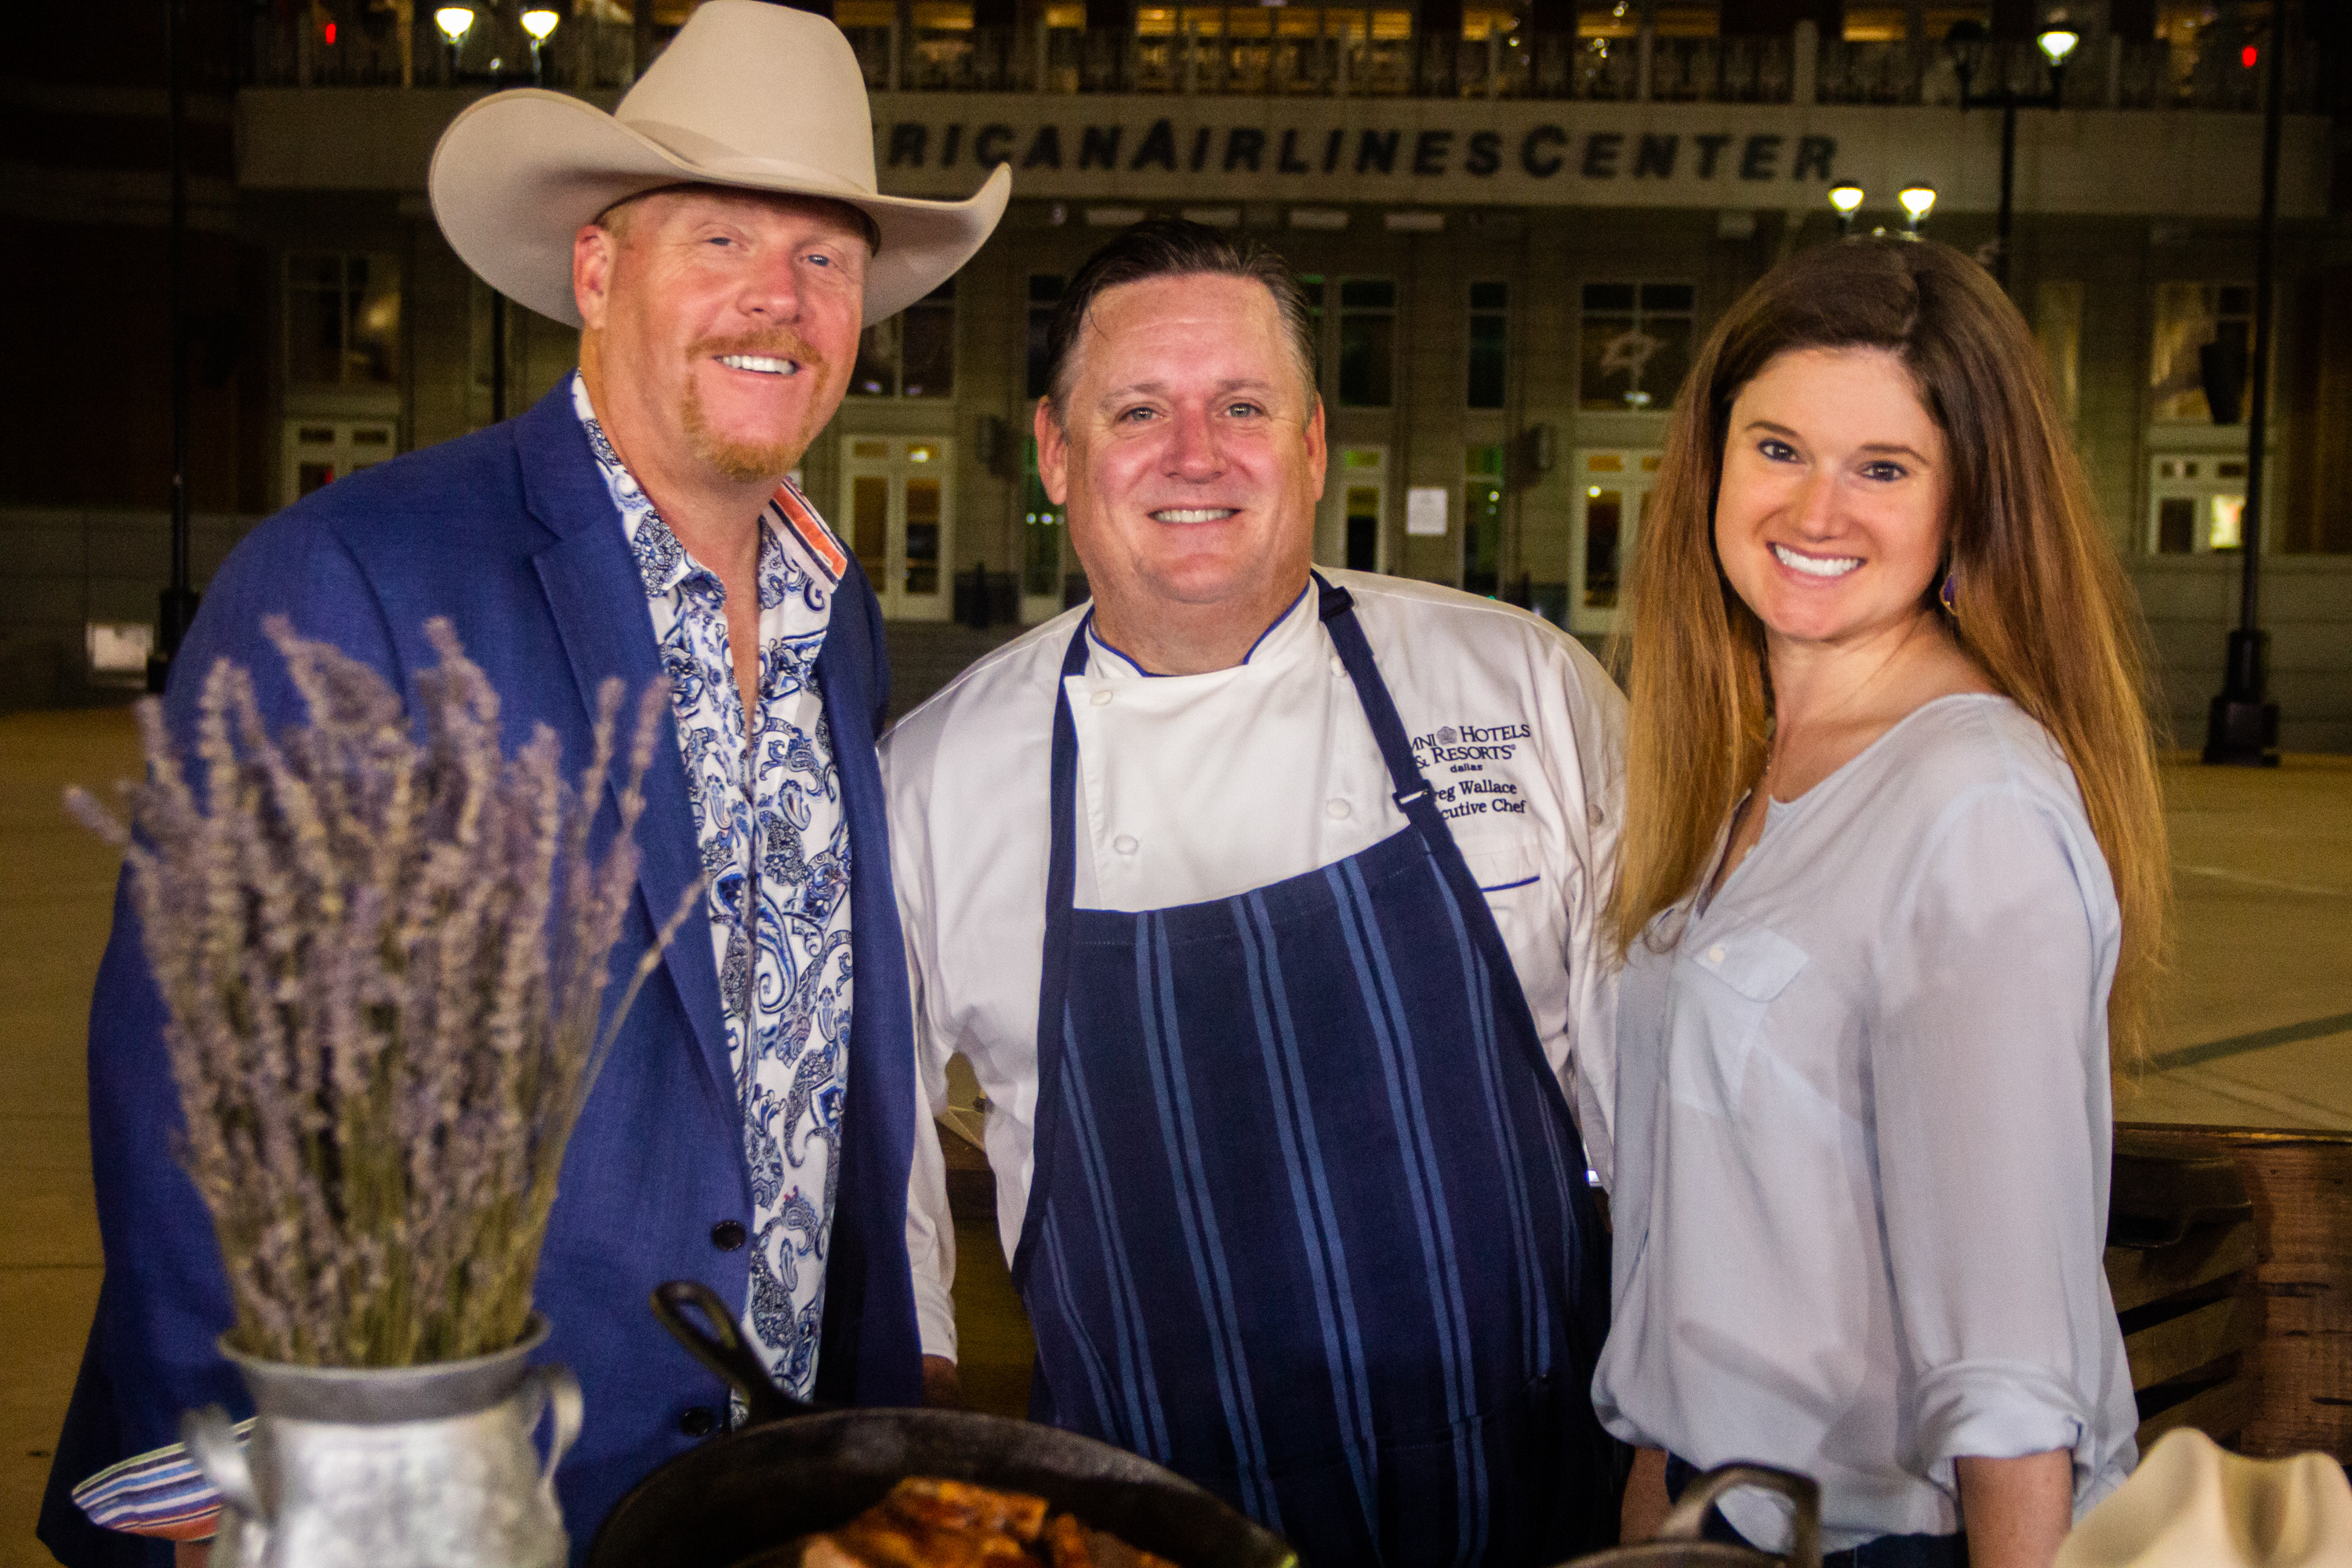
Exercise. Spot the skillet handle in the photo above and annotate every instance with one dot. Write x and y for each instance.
(1686, 1521)
(717, 1343)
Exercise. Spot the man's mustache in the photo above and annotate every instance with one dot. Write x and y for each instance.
(781, 343)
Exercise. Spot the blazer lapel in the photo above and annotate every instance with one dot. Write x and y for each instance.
(601, 614)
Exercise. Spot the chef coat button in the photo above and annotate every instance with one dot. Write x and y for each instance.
(1099, 699)
(1335, 809)
(1715, 953)
(727, 1235)
(1596, 814)
(698, 1421)
(1125, 844)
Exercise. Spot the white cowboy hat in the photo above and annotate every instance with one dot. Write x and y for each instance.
(2190, 1505)
(751, 95)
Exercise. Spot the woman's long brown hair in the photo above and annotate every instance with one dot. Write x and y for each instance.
(2043, 608)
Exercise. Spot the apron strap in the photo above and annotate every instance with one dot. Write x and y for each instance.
(1339, 612)
(1053, 983)
(1419, 803)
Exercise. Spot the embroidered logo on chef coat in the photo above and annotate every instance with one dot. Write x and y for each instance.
(1456, 743)
(1460, 761)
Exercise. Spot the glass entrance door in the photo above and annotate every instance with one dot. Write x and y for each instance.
(898, 515)
(317, 452)
(1042, 524)
(1352, 532)
(1482, 521)
(1612, 489)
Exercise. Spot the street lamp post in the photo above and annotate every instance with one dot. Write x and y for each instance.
(1967, 40)
(539, 22)
(2242, 726)
(176, 606)
(454, 22)
(1845, 195)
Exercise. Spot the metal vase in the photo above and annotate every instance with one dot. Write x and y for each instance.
(422, 1467)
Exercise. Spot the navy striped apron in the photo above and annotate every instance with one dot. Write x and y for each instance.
(1309, 1222)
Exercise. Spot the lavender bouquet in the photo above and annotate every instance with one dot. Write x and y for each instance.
(382, 955)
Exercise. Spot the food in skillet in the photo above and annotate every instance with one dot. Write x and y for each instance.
(1070, 1544)
(929, 1523)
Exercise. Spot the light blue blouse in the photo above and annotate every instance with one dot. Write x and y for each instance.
(1863, 1134)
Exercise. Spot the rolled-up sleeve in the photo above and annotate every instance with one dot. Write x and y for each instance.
(1989, 1077)
(931, 1237)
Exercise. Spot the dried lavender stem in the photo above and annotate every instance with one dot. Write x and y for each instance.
(382, 948)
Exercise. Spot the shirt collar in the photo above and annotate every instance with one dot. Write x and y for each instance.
(662, 561)
(1290, 635)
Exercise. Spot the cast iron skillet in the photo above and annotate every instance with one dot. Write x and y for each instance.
(795, 1470)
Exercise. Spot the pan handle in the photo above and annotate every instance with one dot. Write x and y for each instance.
(1804, 1495)
(717, 1343)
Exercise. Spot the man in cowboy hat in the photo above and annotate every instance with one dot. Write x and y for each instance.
(720, 240)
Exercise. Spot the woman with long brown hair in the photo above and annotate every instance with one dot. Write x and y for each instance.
(1891, 893)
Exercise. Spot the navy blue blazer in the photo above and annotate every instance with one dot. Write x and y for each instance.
(511, 533)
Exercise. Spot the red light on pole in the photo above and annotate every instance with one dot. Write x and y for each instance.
(2248, 56)
(330, 35)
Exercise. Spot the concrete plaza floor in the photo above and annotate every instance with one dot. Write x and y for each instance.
(2256, 1030)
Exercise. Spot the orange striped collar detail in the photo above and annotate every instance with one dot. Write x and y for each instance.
(802, 518)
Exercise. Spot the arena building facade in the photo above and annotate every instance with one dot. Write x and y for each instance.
(1516, 225)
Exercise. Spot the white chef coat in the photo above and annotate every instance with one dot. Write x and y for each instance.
(1201, 786)
(1863, 1134)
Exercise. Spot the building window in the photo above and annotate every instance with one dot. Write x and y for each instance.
(1044, 293)
(2196, 504)
(1490, 326)
(2189, 318)
(1482, 521)
(944, 55)
(342, 321)
(2058, 329)
(871, 26)
(1064, 50)
(1635, 345)
(1367, 343)
(912, 354)
(1876, 25)
(1362, 488)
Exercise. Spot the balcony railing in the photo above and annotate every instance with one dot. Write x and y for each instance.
(587, 53)
(2118, 76)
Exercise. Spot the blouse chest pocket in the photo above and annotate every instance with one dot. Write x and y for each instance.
(1723, 986)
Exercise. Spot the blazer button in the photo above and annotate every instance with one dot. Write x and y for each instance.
(727, 1235)
(698, 1421)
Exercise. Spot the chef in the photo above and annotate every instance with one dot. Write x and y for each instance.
(1261, 901)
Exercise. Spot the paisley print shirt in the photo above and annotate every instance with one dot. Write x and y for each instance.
(775, 837)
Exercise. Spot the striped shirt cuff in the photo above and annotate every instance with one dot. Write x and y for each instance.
(159, 1493)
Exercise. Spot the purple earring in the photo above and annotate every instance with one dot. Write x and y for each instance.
(1946, 594)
